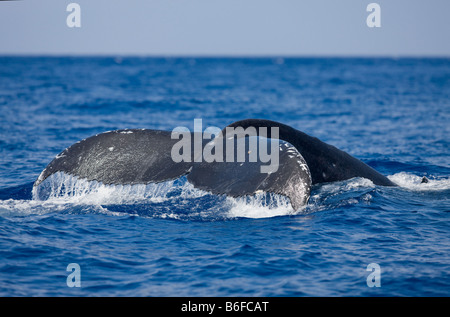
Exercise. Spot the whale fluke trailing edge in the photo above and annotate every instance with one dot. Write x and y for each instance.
(142, 156)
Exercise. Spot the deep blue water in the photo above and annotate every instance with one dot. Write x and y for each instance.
(393, 114)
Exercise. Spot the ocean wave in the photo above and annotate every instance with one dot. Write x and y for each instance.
(414, 182)
(179, 200)
(176, 199)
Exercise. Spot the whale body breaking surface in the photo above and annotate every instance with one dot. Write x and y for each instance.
(144, 156)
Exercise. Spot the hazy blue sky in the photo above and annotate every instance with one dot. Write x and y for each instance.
(226, 27)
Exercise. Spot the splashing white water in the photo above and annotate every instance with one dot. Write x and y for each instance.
(414, 182)
(61, 189)
(260, 205)
(13, 207)
(61, 192)
(347, 185)
(61, 186)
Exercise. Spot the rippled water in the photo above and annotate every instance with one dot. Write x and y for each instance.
(173, 240)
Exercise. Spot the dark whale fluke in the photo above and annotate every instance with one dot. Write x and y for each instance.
(144, 156)
(120, 157)
(292, 177)
(326, 163)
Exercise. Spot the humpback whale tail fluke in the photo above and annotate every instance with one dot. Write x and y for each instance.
(128, 157)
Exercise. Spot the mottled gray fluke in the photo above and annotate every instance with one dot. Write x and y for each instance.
(144, 156)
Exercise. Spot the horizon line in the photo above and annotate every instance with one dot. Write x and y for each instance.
(212, 56)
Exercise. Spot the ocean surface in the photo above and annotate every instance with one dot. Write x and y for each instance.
(173, 240)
